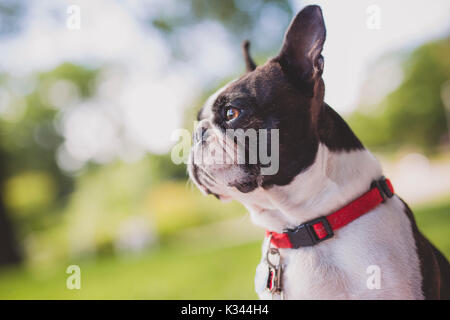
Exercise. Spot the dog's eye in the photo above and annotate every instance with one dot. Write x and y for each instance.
(232, 113)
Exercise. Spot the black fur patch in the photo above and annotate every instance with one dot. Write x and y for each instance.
(434, 266)
(287, 94)
(268, 100)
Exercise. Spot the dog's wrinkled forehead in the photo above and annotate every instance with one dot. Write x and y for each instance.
(262, 89)
(206, 111)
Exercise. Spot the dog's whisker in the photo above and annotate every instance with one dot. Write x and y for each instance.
(207, 174)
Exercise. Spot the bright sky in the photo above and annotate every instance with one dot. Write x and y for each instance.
(149, 92)
(351, 47)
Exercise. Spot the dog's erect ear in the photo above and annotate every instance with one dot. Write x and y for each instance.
(249, 63)
(300, 55)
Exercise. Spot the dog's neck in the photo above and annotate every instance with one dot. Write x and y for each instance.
(332, 181)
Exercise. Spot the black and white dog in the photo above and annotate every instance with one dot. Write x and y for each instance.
(326, 180)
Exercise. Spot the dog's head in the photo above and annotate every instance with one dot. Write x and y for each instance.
(280, 102)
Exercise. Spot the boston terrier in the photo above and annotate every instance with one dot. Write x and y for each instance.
(335, 227)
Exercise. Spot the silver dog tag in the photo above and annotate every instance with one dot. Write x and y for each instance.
(274, 280)
(273, 258)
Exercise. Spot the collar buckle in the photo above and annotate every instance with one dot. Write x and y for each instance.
(383, 188)
(305, 236)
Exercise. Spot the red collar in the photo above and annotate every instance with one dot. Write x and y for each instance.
(318, 230)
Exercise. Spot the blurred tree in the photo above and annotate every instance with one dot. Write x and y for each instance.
(414, 113)
(241, 18)
(11, 14)
(9, 250)
(31, 183)
(163, 168)
(237, 15)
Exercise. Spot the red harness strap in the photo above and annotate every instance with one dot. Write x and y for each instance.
(317, 230)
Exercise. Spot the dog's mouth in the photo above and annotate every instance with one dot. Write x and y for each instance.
(249, 181)
(246, 187)
(202, 178)
(220, 180)
(219, 165)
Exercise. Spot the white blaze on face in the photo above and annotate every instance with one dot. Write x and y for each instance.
(214, 157)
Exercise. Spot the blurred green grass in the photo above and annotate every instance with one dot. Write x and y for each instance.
(433, 220)
(179, 270)
(167, 273)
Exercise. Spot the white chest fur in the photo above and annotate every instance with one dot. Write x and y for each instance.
(340, 268)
